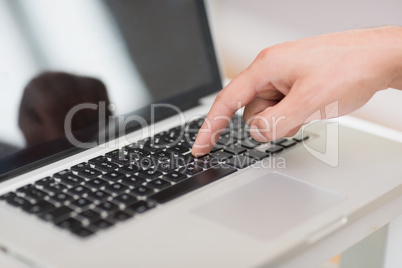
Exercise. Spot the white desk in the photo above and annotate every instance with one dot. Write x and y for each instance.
(350, 235)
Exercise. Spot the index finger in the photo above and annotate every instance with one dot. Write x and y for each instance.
(234, 96)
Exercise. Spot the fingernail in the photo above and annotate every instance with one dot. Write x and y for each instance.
(257, 134)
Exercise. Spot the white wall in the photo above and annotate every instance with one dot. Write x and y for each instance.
(243, 28)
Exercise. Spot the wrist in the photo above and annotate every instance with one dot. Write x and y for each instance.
(395, 36)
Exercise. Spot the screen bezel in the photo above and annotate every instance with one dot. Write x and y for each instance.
(44, 154)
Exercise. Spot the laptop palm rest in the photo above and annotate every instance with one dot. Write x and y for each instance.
(269, 205)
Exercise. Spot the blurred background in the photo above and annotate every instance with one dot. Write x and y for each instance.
(242, 29)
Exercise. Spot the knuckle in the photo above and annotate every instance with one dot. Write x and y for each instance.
(263, 126)
(219, 97)
(264, 54)
(269, 52)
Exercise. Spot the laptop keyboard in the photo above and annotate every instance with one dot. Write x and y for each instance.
(93, 196)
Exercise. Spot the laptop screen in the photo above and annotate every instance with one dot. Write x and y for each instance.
(123, 54)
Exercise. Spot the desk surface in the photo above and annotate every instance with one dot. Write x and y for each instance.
(350, 235)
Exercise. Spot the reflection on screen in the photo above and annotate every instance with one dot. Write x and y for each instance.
(58, 54)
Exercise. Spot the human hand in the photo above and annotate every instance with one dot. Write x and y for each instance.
(293, 83)
(50, 96)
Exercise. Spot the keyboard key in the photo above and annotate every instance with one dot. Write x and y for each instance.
(226, 139)
(240, 161)
(217, 147)
(161, 155)
(40, 207)
(82, 232)
(257, 154)
(149, 174)
(145, 163)
(241, 135)
(249, 143)
(300, 138)
(288, 143)
(113, 176)
(54, 187)
(191, 169)
(97, 159)
(80, 166)
(158, 184)
(96, 183)
(193, 183)
(32, 193)
(187, 144)
(17, 201)
(195, 124)
(106, 166)
(170, 141)
(188, 138)
(142, 191)
(7, 196)
(116, 189)
(176, 131)
(101, 224)
(108, 207)
(78, 190)
(166, 166)
(129, 169)
(57, 215)
(274, 149)
(121, 160)
(206, 162)
(120, 216)
(178, 149)
(133, 181)
(25, 188)
(125, 199)
(90, 215)
(62, 173)
(70, 224)
(140, 207)
(36, 195)
(235, 149)
(133, 146)
(115, 154)
(89, 173)
(61, 198)
(81, 203)
(98, 196)
(72, 180)
(155, 145)
(279, 141)
(175, 176)
(183, 160)
(137, 153)
(45, 181)
(221, 156)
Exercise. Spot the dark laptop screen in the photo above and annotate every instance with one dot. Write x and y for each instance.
(55, 55)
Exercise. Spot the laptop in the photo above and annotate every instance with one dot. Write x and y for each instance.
(102, 101)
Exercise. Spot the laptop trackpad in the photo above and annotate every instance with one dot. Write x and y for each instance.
(269, 205)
